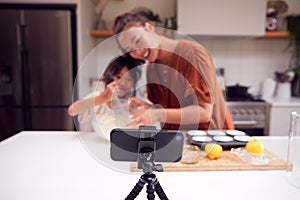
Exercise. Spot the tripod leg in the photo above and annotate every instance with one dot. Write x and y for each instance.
(160, 192)
(136, 190)
(150, 191)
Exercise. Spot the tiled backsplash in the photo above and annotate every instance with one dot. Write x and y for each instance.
(248, 61)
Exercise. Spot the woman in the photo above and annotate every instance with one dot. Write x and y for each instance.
(181, 78)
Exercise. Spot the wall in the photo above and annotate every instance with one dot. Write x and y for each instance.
(165, 8)
(85, 19)
(248, 61)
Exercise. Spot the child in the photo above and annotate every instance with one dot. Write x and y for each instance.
(124, 74)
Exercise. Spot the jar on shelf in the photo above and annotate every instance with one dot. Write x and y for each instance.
(271, 20)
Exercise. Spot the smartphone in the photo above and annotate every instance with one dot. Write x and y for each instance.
(124, 145)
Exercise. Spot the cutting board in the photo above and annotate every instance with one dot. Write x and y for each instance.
(226, 162)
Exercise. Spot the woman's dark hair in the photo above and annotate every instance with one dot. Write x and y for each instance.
(127, 19)
(119, 63)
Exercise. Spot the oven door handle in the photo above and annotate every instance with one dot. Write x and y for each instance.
(248, 122)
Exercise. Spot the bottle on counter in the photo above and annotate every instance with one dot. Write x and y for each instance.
(268, 88)
(293, 156)
(221, 79)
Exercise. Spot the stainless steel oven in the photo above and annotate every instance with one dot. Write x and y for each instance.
(251, 117)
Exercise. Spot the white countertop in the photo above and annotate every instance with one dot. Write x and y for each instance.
(291, 102)
(59, 165)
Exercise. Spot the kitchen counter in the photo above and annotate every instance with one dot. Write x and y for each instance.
(280, 114)
(292, 102)
(65, 165)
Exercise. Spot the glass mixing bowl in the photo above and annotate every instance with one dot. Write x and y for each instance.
(105, 118)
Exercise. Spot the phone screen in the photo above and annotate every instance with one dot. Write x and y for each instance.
(124, 145)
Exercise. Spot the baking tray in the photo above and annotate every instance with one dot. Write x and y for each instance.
(225, 145)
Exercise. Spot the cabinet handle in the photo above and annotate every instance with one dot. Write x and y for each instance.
(249, 122)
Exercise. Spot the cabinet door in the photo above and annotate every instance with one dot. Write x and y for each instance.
(280, 120)
(10, 60)
(51, 119)
(219, 17)
(49, 57)
(11, 121)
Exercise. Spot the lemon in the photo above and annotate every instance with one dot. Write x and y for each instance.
(255, 147)
(213, 151)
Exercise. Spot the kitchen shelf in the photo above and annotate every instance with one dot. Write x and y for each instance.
(109, 32)
(268, 35)
(275, 35)
(101, 33)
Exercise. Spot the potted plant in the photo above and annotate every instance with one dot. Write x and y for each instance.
(100, 6)
(293, 27)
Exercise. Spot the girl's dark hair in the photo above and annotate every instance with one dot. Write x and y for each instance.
(119, 63)
(127, 19)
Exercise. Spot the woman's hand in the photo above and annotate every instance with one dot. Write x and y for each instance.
(149, 117)
(193, 114)
(137, 106)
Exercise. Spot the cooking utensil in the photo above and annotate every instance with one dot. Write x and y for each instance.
(253, 159)
(105, 120)
(237, 91)
(196, 133)
(227, 161)
(191, 154)
(109, 78)
(235, 132)
(242, 138)
(223, 138)
(215, 132)
(202, 138)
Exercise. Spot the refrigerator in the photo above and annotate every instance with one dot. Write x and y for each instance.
(37, 64)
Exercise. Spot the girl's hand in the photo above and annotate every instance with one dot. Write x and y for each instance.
(110, 90)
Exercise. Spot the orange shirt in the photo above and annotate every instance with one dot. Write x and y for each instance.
(186, 77)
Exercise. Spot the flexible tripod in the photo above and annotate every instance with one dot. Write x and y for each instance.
(153, 186)
(149, 178)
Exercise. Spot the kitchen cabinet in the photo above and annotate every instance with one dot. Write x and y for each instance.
(280, 116)
(222, 18)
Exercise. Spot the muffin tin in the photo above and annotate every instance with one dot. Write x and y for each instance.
(227, 139)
